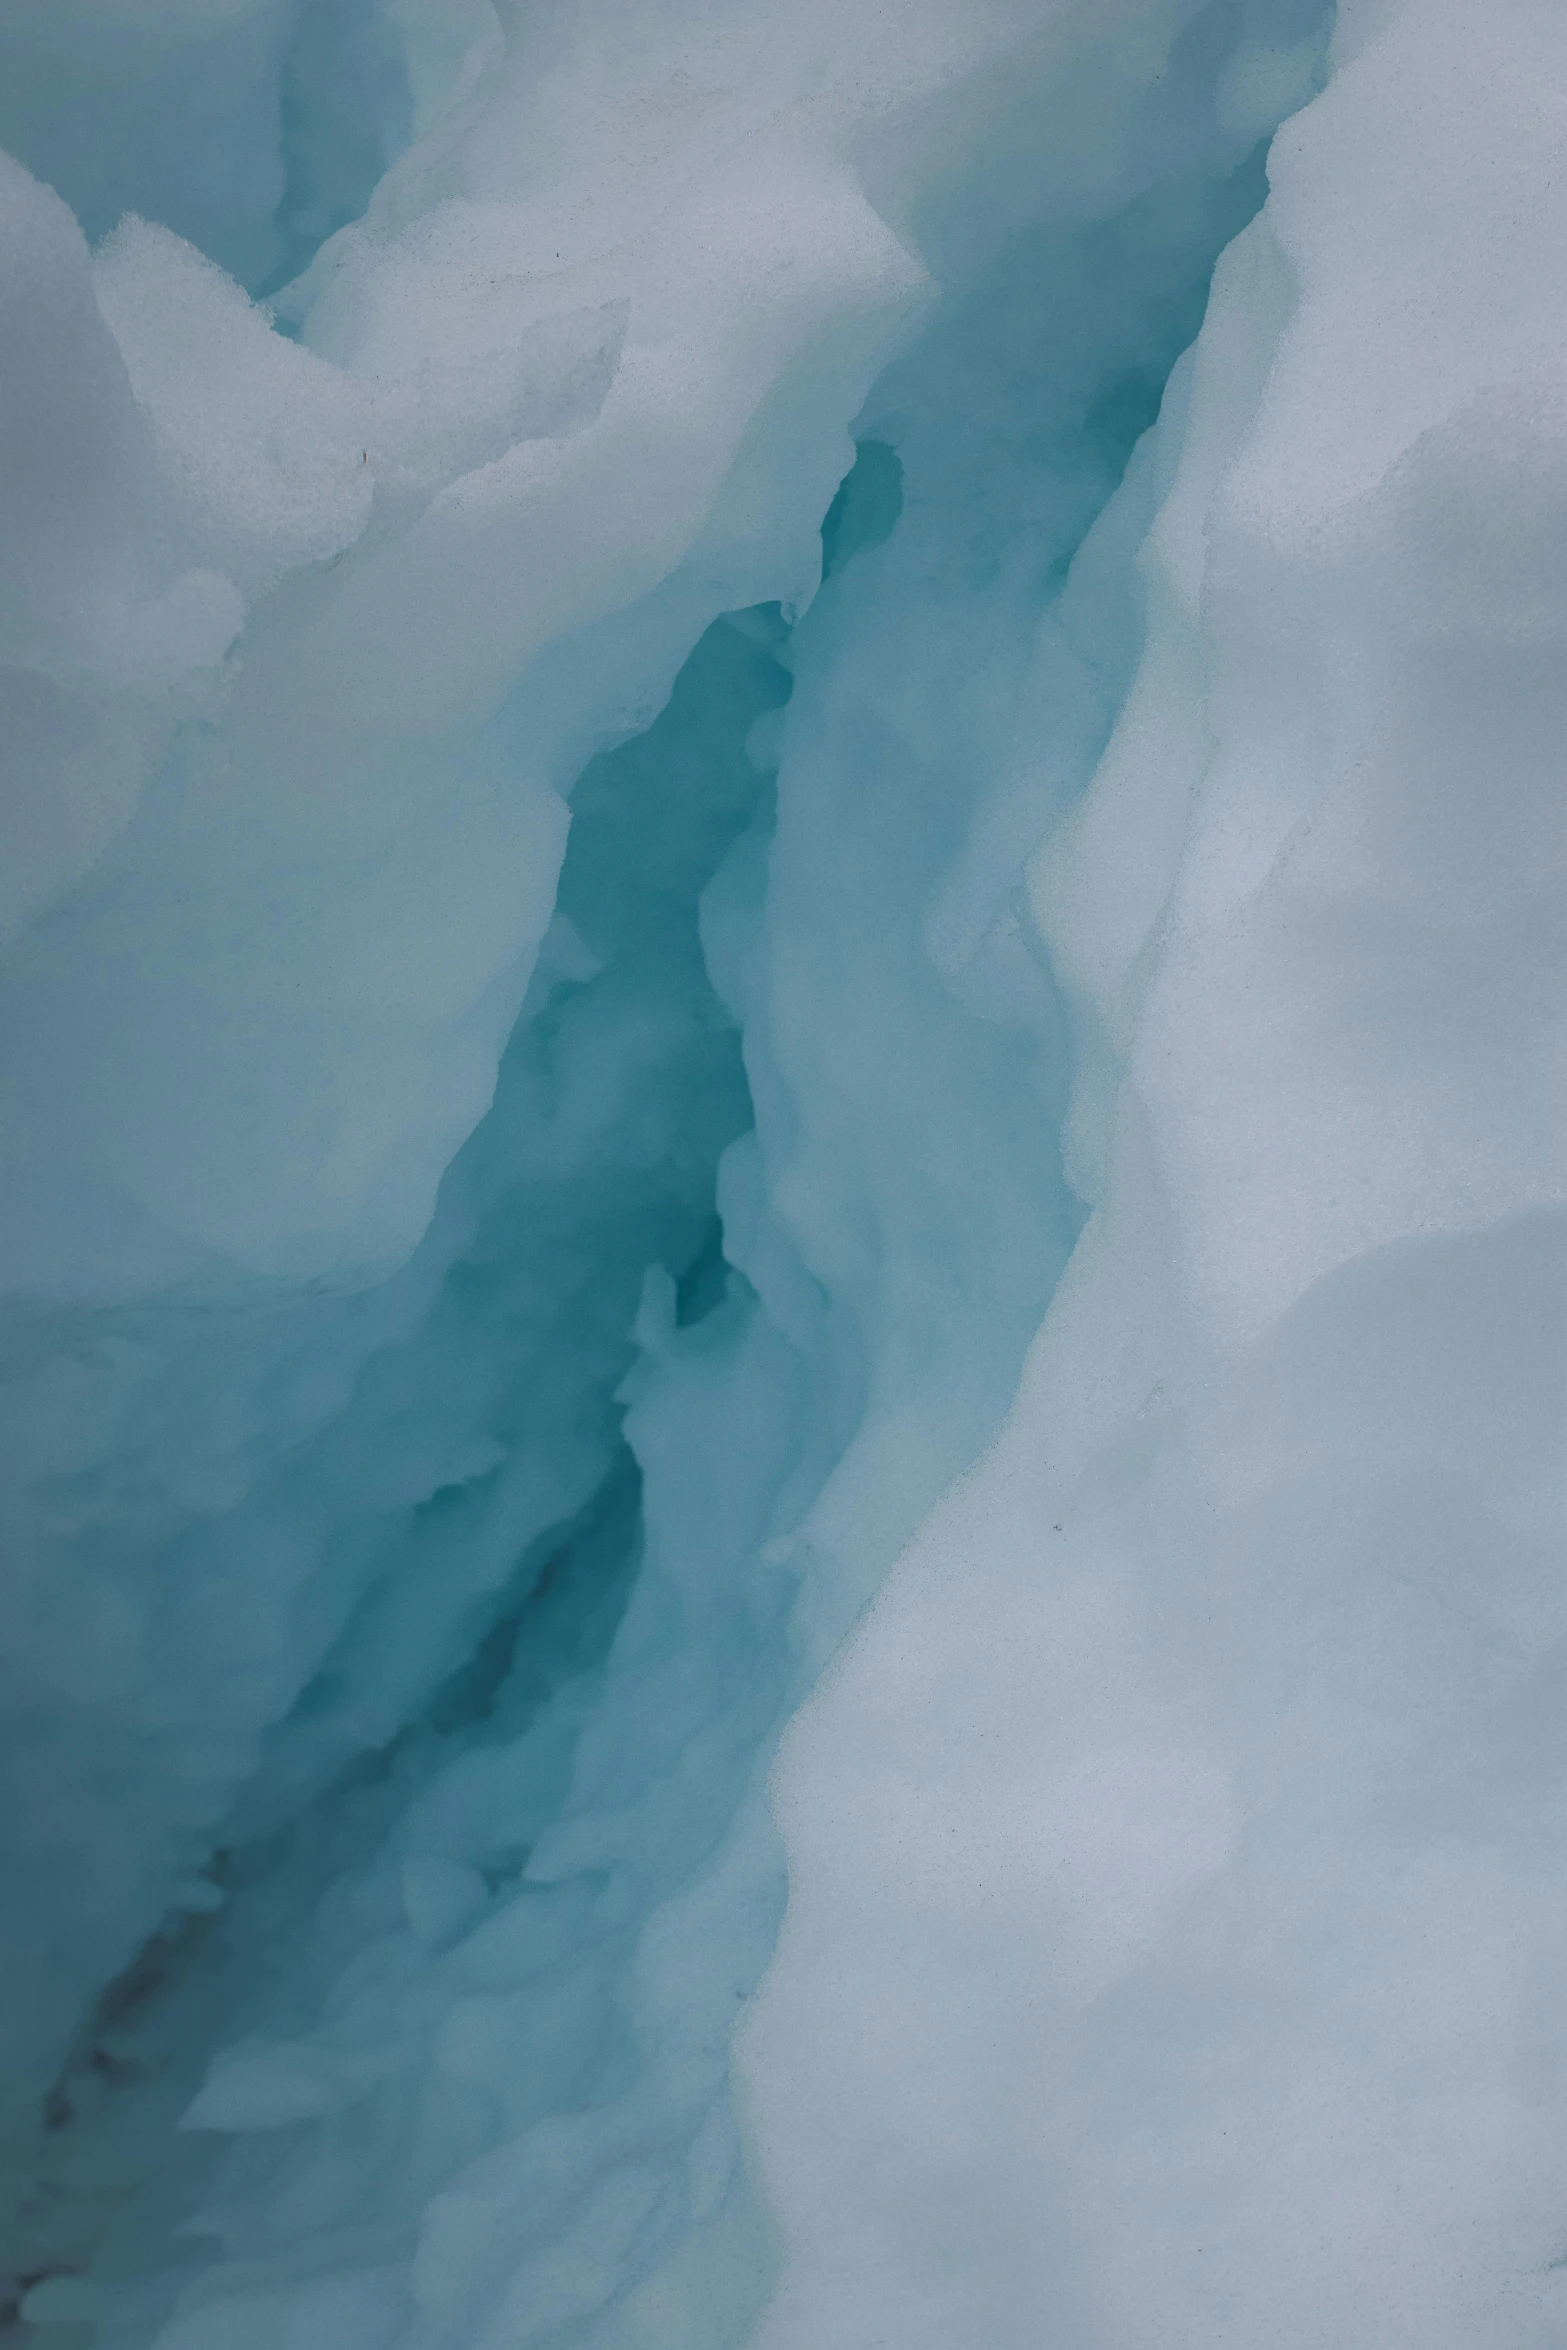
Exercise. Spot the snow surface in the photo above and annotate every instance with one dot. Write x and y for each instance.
(781, 957)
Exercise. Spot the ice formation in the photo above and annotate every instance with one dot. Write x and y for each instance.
(781, 1202)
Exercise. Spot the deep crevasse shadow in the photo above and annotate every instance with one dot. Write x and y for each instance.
(769, 1204)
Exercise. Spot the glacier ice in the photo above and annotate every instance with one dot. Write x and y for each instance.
(780, 1219)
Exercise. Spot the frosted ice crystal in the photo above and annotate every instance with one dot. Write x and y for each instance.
(781, 1278)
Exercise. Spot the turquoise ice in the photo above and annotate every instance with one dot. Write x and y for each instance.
(780, 1208)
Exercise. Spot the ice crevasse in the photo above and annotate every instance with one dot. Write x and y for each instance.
(781, 1280)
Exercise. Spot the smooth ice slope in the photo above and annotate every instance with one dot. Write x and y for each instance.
(1176, 1916)
(631, 799)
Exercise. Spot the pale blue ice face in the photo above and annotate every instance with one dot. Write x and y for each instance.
(388, 1719)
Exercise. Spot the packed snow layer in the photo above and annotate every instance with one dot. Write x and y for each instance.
(668, 767)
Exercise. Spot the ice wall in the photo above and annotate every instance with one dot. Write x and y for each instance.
(306, 637)
(631, 799)
(1176, 1911)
